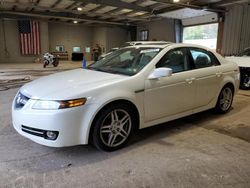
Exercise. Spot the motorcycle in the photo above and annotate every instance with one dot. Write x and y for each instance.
(50, 59)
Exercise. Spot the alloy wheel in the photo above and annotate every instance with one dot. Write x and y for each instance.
(115, 128)
(226, 99)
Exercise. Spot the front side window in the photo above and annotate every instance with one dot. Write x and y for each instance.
(127, 61)
(203, 58)
(177, 60)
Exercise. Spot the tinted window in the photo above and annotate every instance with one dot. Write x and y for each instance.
(203, 58)
(177, 60)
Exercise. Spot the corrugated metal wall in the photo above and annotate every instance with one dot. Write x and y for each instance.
(236, 30)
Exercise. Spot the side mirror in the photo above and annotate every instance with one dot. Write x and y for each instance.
(160, 72)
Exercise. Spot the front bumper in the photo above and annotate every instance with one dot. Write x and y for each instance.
(70, 124)
(245, 78)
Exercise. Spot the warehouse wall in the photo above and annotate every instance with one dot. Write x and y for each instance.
(53, 34)
(100, 37)
(70, 35)
(12, 53)
(109, 37)
(160, 30)
(116, 36)
(236, 34)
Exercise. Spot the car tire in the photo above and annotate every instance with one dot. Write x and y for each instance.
(225, 100)
(45, 63)
(113, 127)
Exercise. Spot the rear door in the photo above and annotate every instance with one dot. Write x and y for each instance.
(208, 76)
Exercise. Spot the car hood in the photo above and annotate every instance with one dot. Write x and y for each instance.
(68, 84)
(241, 61)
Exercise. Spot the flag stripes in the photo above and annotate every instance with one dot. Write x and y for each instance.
(29, 37)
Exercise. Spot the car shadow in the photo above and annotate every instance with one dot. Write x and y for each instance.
(170, 128)
(68, 157)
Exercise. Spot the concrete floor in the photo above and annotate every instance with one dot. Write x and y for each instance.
(203, 150)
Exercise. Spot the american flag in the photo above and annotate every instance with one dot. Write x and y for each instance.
(30, 43)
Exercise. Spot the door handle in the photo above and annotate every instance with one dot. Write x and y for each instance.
(218, 74)
(190, 80)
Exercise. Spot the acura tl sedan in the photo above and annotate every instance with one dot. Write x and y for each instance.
(133, 88)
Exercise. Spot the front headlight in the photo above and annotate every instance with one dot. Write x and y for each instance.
(54, 105)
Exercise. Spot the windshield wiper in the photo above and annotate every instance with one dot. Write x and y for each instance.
(108, 71)
(96, 69)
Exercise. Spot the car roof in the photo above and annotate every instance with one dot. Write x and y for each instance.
(169, 44)
(133, 43)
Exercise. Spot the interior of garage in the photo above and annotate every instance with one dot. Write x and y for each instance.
(204, 150)
(111, 26)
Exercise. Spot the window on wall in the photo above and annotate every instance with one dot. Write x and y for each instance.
(144, 35)
(76, 49)
(205, 35)
(59, 48)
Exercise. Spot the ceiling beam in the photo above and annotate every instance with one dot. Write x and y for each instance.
(71, 5)
(114, 11)
(139, 1)
(56, 3)
(60, 15)
(228, 2)
(118, 4)
(69, 11)
(96, 9)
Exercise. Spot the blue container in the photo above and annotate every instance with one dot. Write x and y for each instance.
(84, 63)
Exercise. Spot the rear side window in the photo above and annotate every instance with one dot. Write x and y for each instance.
(203, 58)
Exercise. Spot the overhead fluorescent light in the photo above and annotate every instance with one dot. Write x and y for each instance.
(75, 22)
(79, 8)
(176, 1)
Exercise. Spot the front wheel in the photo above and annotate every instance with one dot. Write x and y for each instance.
(45, 63)
(225, 100)
(113, 127)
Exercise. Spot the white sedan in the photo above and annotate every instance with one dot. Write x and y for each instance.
(243, 61)
(133, 88)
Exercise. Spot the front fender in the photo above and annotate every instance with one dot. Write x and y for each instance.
(105, 98)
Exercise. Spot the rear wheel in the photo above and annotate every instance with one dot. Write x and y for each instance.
(55, 62)
(225, 99)
(113, 127)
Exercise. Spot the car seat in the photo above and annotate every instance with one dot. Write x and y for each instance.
(202, 61)
(176, 62)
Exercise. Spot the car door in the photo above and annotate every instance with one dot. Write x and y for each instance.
(207, 74)
(168, 96)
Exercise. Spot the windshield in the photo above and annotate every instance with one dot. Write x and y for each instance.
(127, 61)
(246, 52)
